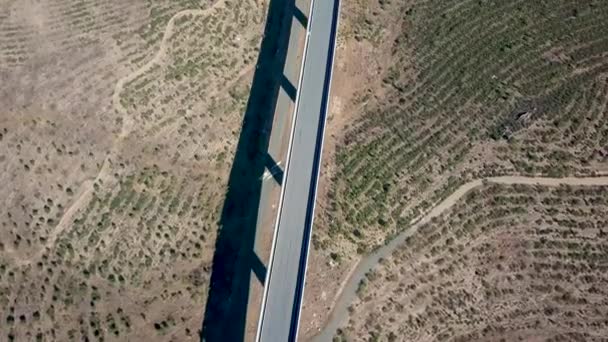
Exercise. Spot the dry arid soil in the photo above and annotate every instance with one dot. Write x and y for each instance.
(118, 123)
(429, 95)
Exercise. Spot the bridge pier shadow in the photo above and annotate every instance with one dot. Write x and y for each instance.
(274, 170)
(235, 260)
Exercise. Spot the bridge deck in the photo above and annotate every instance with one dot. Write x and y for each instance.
(287, 267)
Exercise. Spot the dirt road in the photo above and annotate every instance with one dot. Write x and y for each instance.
(348, 293)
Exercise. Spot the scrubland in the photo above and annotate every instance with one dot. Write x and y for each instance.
(442, 93)
(471, 89)
(118, 125)
(507, 262)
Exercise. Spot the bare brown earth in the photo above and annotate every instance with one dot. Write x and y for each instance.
(431, 95)
(117, 126)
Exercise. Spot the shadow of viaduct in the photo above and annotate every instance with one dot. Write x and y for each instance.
(234, 257)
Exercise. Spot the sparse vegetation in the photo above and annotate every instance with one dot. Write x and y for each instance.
(119, 123)
(524, 94)
(507, 262)
(439, 93)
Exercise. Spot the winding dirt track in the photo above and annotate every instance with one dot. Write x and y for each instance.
(158, 57)
(347, 292)
(85, 191)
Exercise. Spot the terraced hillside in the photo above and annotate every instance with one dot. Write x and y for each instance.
(443, 92)
(471, 88)
(118, 124)
(507, 262)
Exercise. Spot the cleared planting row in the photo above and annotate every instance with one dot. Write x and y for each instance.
(506, 263)
(474, 87)
(147, 223)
